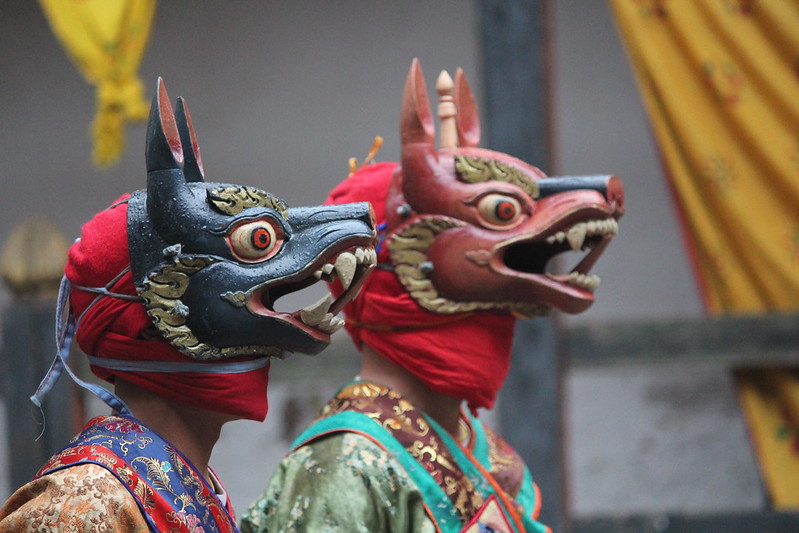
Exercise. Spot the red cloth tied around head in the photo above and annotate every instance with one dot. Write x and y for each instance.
(466, 356)
(113, 328)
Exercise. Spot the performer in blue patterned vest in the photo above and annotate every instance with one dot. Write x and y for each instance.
(170, 292)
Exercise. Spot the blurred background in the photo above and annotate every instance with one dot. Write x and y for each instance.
(646, 421)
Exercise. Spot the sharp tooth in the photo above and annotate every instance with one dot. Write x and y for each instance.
(345, 268)
(325, 322)
(588, 282)
(336, 323)
(327, 268)
(359, 255)
(318, 274)
(592, 226)
(330, 323)
(315, 313)
(576, 236)
(551, 239)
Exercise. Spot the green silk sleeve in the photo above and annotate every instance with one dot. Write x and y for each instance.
(341, 482)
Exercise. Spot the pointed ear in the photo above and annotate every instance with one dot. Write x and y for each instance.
(169, 199)
(467, 118)
(192, 162)
(163, 150)
(416, 120)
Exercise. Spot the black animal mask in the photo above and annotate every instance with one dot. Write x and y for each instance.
(210, 259)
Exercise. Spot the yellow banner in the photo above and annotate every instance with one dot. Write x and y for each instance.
(106, 40)
(770, 399)
(720, 82)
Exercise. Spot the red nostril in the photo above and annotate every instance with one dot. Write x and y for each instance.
(372, 216)
(615, 194)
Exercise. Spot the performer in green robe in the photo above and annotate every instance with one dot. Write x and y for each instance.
(466, 235)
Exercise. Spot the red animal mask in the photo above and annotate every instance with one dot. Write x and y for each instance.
(470, 229)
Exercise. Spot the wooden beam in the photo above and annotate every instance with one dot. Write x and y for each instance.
(516, 111)
(757, 340)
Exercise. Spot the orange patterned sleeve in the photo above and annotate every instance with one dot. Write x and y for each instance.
(81, 498)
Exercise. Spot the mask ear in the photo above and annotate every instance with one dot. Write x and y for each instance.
(168, 194)
(416, 120)
(467, 117)
(163, 148)
(193, 163)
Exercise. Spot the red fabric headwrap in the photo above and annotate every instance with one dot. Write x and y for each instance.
(112, 327)
(465, 356)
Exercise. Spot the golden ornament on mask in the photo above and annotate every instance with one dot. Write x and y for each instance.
(233, 200)
(481, 169)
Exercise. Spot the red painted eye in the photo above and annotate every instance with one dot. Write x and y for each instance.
(505, 210)
(256, 240)
(261, 238)
(499, 209)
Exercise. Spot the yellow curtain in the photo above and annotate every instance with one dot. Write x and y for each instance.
(720, 82)
(106, 40)
(770, 400)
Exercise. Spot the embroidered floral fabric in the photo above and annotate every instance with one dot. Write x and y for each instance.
(85, 498)
(166, 491)
(343, 480)
(424, 444)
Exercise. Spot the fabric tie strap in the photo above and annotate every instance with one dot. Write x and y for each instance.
(64, 333)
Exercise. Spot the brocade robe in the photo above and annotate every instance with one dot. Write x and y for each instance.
(117, 476)
(372, 462)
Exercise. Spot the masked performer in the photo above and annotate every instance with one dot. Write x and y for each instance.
(170, 293)
(466, 235)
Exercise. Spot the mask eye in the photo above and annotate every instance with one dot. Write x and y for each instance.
(256, 240)
(499, 209)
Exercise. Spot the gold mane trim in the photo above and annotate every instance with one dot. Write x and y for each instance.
(233, 200)
(481, 169)
(408, 249)
(161, 293)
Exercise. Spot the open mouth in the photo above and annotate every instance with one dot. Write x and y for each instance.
(588, 238)
(350, 267)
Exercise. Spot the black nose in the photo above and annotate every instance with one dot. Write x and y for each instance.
(608, 185)
(557, 185)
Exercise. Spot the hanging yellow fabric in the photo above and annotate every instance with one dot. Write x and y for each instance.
(720, 82)
(770, 399)
(106, 40)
